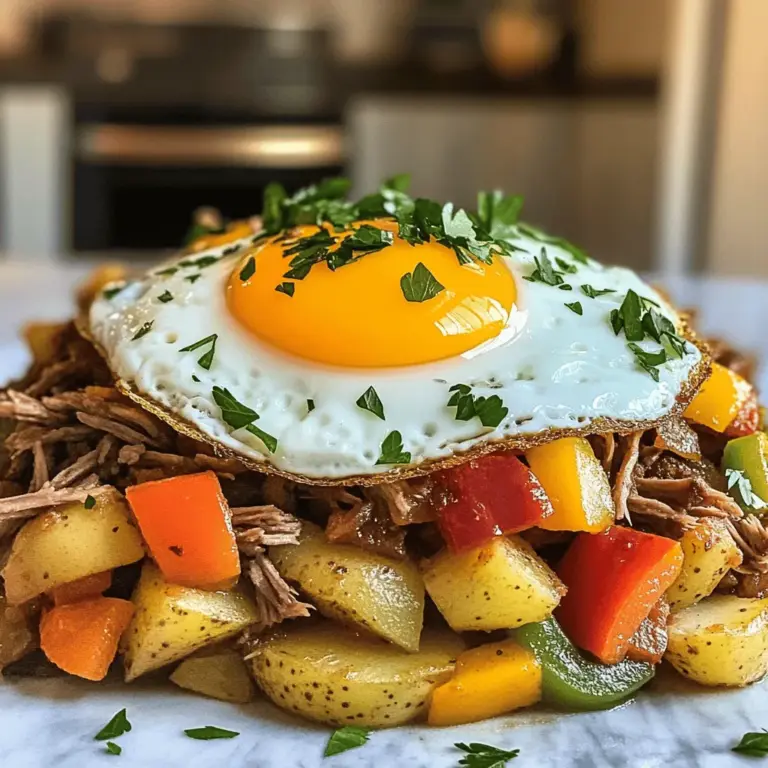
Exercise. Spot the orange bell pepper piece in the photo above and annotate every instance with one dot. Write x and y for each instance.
(614, 579)
(83, 589)
(719, 401)
(81, 638)
(186, 524)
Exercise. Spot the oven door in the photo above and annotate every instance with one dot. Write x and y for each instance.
(135, 187)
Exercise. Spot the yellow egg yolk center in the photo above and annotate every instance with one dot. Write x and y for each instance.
(358, 315)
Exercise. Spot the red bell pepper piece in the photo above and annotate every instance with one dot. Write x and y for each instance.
(488, 497)
(614, 578)
(747, 419)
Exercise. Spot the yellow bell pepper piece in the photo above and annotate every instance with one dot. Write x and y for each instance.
(488, 681)
(576, 484)
(719, 399)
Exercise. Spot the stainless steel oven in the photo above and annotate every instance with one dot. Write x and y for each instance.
(136, 185)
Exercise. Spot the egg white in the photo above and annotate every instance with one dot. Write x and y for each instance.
(560, 371)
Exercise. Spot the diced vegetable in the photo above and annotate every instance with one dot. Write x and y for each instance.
(325, 672)
(489, 680)
(576, 484)
(81, 638)
(709, 552)
(69, 543)
(488, 497)
(570, 681)
(722, 640)
(749, 455)
(219, 673)
(172, 621)
(372, 592)
(650, 641)
(186, 523)
(719, 400)
(500, 585)
(16, 637)
(613, 580)
(748, 418)
(83, 589)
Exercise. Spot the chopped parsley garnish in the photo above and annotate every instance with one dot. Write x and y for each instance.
(310, 405)
(210, 732)
(167, 272)
(165, 297)
(117, 726)
(566, 266)
(485, 756)
(110, 293)
(198, 230)
(193, 278)
(565, 287)
(195, 379)
(544, 272)
(639, 320)
(343, 739)
(392, 450)
(498, 213)
(490, 410)
(286, 288)
(543, 237)
(369, 401)
(753, 744)
(89, 502)
(203, 262)
(239, 416)
(143, 331)
(113, 749)
(420, 285)
(593, 293)
(576, 307)
(248, 270)
(736, 479)
(207, 359)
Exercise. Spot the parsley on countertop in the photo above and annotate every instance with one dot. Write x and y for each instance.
(117, 726)
(485, 756)
(753, 744)
(210, 732)
(346, 738)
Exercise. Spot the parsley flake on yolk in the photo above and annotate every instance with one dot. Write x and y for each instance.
(356, 315)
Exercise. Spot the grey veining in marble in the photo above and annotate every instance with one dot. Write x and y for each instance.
(51, 723)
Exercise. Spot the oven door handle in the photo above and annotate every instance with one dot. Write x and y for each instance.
(273, 146)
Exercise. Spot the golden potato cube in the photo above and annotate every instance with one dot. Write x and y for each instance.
(219, 673)
(172, 622)
(723, 640)
(501, 585)
(709, 552)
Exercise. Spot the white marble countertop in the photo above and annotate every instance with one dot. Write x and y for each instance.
(51, 723)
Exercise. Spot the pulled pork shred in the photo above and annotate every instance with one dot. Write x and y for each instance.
(72, 434)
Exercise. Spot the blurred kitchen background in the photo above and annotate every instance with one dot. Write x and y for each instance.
(634, 128)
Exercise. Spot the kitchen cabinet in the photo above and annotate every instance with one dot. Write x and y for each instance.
(587, 168)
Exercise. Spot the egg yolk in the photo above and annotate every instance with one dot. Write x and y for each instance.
(358, 316)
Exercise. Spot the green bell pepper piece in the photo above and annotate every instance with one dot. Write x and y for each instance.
(569, 681)
(749, 455)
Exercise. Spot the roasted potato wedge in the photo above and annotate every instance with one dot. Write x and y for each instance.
(328, 673)
(219, 673)
(709, 552)
(69, 543)
(374, 593)
(172, 622)
(501, 585)
(722, 640)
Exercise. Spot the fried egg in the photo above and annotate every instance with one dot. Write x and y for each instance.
(394, 364)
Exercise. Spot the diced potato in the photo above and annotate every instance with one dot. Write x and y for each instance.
(372, 592)
(325, 672)
(219, 673)
(172, 622)
(489, 680)
(16, 638)
(709, 552)
(575, 483)
(722, 640)
(69, 543)
(501, 585)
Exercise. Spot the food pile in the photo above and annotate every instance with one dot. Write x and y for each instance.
(388, 460)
